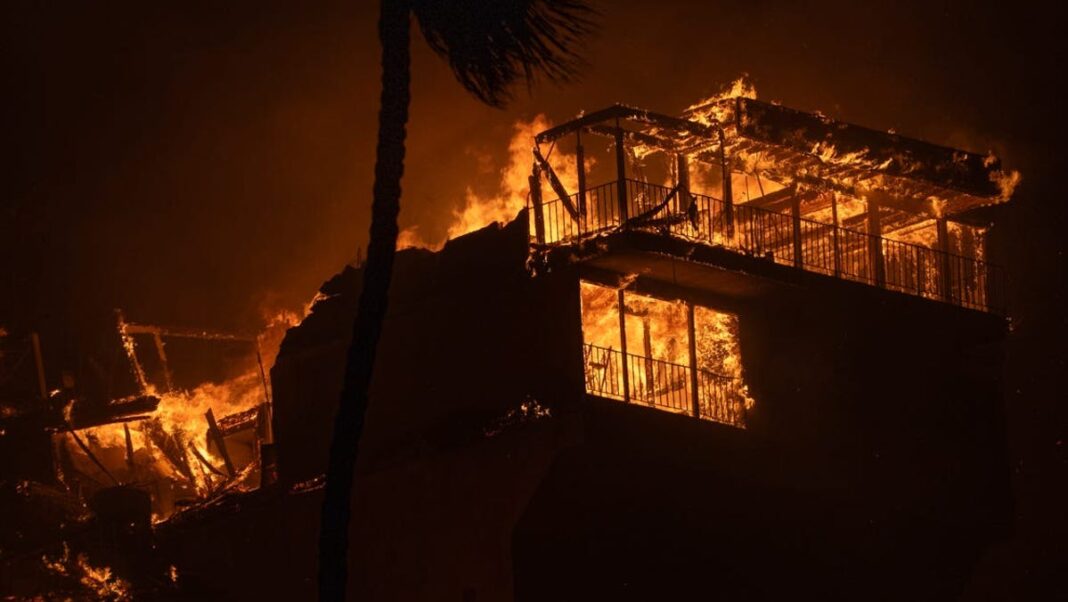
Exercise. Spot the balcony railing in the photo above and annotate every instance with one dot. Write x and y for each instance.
(663, 385)
(783, 238)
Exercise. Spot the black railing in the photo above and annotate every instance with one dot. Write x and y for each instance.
(783, 238)
(663, 385)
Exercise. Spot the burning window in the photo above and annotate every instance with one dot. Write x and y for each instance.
(671, 355)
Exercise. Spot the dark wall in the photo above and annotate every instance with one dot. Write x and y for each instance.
(449, 456)
(873, 466)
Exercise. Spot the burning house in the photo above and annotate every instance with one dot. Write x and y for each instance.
(748, 351)
(744, 342)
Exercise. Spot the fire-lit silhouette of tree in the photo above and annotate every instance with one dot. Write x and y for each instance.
(489, 46)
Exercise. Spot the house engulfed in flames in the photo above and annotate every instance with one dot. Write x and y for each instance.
(747, 341)
(736, 192)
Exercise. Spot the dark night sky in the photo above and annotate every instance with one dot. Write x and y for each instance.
(193, 162)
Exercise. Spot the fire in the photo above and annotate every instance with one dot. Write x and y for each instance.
(173, 454)
(658, 363)
(513, 188)
(101, 582)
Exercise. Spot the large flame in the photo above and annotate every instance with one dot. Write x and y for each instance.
(171, 446)
(511, 197)
(659, 363)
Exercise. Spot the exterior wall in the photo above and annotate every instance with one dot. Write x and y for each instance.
(874, 453)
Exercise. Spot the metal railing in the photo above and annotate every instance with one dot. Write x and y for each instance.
(783, 238)
(663, 385)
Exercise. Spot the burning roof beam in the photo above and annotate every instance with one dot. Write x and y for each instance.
(672, 125)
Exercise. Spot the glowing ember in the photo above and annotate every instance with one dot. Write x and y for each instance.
(100, 582)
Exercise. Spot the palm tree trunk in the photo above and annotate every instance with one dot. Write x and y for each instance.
(394, 32)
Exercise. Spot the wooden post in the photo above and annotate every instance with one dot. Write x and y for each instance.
(129, 450)
(580, 163)
(623, 344)
(650, 369)
(875, 246)
(695, 397)
(921, 273)
(157, 338)
(621, 175)
(945, 276)
(728, 193)
(535, 199)
(42, 386)
(837, 243)
(682, 177)
(795, 214)
(220, 442)
(266, 410)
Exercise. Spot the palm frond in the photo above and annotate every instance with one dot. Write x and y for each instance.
(491, 44)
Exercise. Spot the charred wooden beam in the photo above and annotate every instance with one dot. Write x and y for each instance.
(187, 333)
(86, 415)
(204, 461)
(664, 144)
(233, 423)
(129, 448)
(556, 185)
(580, 167)
(535, 198)
(220, 442)
(617, 112)
(89, 453)
(172, 449)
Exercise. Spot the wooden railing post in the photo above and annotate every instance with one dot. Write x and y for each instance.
(921, 272)
(875, 244)
(580, 164)
(836, 241)
(695, 397)
(795, 215)
(945, 276)
(621, 175)
(682, 177)
(623, 344)
(535, 199)
(728, 192)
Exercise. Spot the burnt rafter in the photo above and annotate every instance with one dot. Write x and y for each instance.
(650, 140)
(670, 125)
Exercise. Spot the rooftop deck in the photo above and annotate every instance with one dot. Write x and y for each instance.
(800, 224)
(784, 238)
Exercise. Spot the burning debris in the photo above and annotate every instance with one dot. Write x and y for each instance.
(203, 438)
